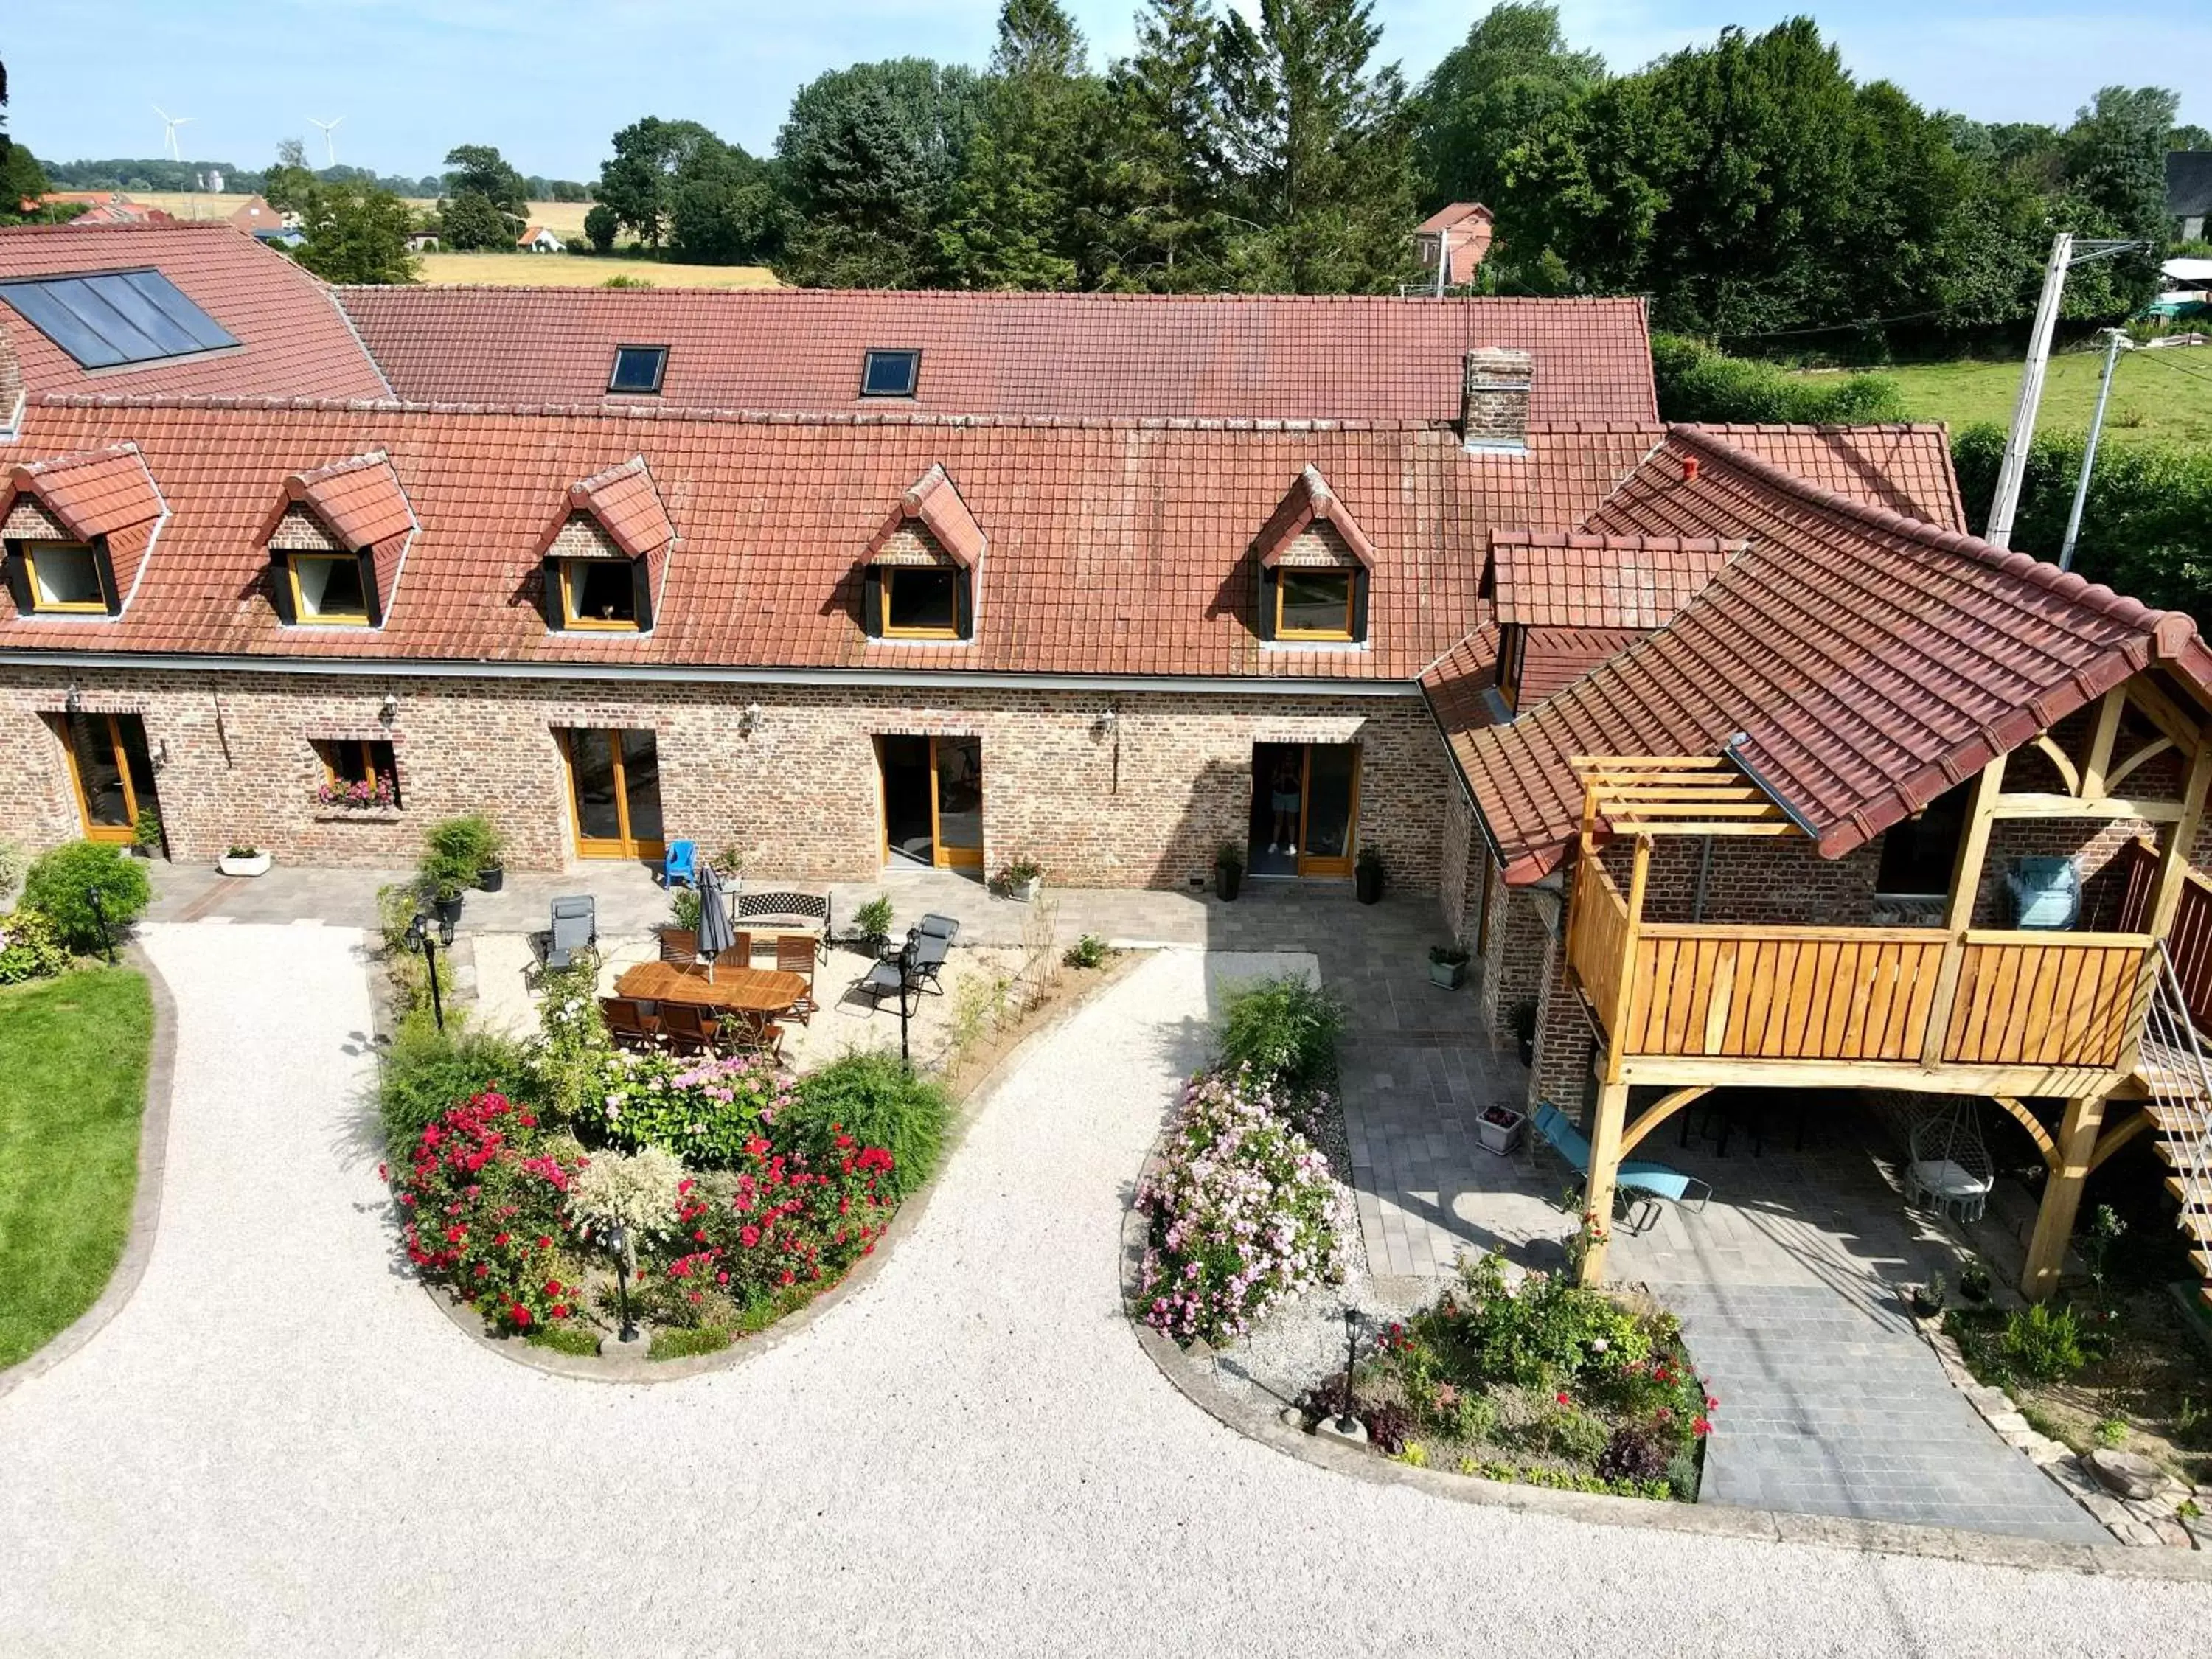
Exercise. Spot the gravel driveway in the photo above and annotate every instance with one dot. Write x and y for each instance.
(280, 1446)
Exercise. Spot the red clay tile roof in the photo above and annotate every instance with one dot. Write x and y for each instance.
(1451, 216)
(1206, 357)
(1906, 469)
(627, 508)
(359, 500)
(293, 341)
(1308, 499)
(1552, 659)
(1576, 581)
(1116, 547)
(1458, 684)
(1870, 661)
(99, 492)
(935, 501)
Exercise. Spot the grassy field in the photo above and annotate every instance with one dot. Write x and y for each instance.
(2150, 398)
(73, 1055)
(579, 270)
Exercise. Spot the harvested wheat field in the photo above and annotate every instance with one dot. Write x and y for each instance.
(584, 270)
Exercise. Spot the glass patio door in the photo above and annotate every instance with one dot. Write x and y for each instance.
(614, 783)
(957, 769)
(1331, 812)
(113, 771)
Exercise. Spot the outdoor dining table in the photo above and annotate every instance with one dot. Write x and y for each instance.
(754, 990)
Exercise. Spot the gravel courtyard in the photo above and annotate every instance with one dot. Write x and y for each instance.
(281, 1446)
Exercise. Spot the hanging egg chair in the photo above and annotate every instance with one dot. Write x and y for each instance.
(1950, 1166)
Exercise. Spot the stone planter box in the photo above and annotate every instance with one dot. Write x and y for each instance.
(1024, 892)
(1501, 1137)
(257, 866)
(1449, 974)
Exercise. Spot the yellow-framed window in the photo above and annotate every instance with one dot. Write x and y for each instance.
(1313, 605)
(64, 579)
(598, 593)
(920, 603)
(326, 589)
(348, 761)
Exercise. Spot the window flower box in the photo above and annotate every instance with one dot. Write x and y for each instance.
(358, 815)
(1500, 1128)
(375, 795)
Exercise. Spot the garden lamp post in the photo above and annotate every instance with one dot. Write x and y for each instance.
(618, 1247)
(909, 955)
(99, 915)
(419, 936)
(1347, 1419)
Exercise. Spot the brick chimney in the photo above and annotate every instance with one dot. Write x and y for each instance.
(11, 389)
(1494, 400)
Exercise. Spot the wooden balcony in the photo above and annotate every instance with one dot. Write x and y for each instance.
(1965, 1009)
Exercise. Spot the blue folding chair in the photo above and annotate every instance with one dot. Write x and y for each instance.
(680, 863)
(1653, 1181)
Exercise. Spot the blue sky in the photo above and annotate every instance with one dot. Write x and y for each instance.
(548, 80)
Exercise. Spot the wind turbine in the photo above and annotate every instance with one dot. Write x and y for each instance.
(330, 144)
(169, 125)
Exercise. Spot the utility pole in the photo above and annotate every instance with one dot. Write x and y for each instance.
(2015, 465)
(2116, 342)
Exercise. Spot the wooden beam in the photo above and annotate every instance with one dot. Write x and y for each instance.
(1631, 990)
(1677, 826)
(2164, 712)
(2029, 1082)
(2173, 852)
(1959, 910)
(2096, 779)
(1658, 1113)
(2113, 1140)
(2031, 805)
(2062, 1197)
(2035, 1132)
(2067, 770)
(1604, 1170)
(2150, 751)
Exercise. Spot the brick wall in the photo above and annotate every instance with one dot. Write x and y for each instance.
(1460, 869)
(1144, 806)
(1755, 881)
(1566, 1045)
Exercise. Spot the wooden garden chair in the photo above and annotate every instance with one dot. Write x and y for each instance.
(628, 1023)
(794, 954)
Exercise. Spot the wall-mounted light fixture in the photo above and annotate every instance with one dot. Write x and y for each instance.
(1108, 723)
(73, 704)
(389, 710)
(749, 721)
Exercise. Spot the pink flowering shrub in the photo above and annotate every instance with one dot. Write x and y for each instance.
(361, 796)
(1243, 1213)
(482, 1198)
(703, 1110)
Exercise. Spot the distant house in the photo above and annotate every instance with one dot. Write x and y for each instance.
(1459, 234)
(422, 241)
(284, 236)
(2188, 191)
(538, 240)
(121, 212)
(253, 216)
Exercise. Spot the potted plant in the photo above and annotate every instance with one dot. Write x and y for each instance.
(1020, 880)
(1500, 1128)
(459, 853)
(146, 833)
(1367, 875)
(1523, 1021)
(1974, 1282)
(1447, 966)
(871, 921)
(1229, 869)
(244, 862)
(1928, 1299)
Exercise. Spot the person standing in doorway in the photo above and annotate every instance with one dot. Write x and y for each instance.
(1286, 796)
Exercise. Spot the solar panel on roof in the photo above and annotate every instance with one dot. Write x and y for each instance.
(114, 317)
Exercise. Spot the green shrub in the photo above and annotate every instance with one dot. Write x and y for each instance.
(684, 909)
(573, 1052)
(873, 920)
(704, 1109)
(879, 1103)
(1088, 952)
(61, 882)
(2042, 1343)
(456, 851)
(1285, 1030)
(30, 948)
(1698, 382)
(426, 1071)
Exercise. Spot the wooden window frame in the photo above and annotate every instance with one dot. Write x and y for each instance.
(1330, 636)
(323, 618)
(118, 834)
(890, 573)
(626, 845)
(1512, 648)
(570, 622)
(326, 747)
(100, 607)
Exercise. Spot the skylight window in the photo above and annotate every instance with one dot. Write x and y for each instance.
(116, 317)
(891, 375)
(638, 368)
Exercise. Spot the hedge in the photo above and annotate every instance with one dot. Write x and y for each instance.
(1697, 382)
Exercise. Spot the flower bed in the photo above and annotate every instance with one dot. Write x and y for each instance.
(1541, 1382)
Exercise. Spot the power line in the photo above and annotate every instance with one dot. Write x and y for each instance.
(1835, 328)
(2160, 358)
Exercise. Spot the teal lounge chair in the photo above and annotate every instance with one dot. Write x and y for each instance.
(1652, 1180)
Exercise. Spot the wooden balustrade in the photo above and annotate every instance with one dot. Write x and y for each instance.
(1597, 940)
(2045, 999)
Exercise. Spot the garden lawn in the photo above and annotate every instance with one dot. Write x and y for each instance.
(72, 1053)
(2150, 398)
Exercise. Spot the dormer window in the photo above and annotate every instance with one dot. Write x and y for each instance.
(64, 579)
(918, 575)
(890, 373)
(638, 369)
(329, 590)
(920, 603)
(598, 593)
(1314, 605)
(1315, 567)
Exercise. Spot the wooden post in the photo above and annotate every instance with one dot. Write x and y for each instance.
(2062, 1197)
(1622, 1014)
(2099, 765)
(1597, 1191)
(1958, 913)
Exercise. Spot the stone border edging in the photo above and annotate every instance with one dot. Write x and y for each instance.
(145, 1202)
(519, 1350)
(1192, 1378)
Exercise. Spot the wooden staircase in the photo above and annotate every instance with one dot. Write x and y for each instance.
(2175, 1071)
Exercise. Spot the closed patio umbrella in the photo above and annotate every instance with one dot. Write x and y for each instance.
(715, 934)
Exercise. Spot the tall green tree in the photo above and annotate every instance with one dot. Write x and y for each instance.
(21, 178)
(724, 208)
(356, 233)
(870, 157)
(1317, 150)
(637, 184)
(481, 170)
(470, 223)
(2115, 154)
(1011, 219)
(1513, 74)
(1154, 191)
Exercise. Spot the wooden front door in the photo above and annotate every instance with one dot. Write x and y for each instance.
(1330, 815)
(614, 789)
(932, 800)
(111, 772)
